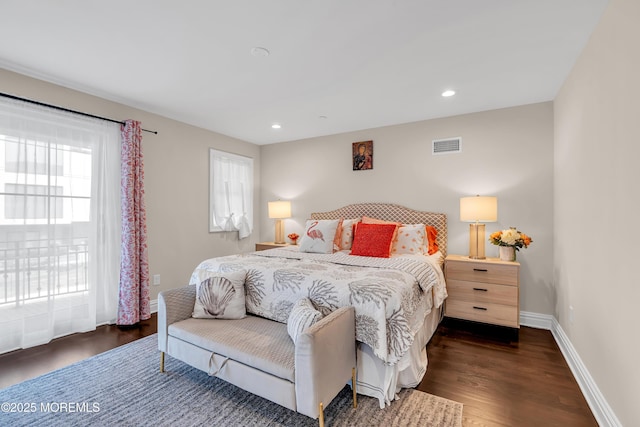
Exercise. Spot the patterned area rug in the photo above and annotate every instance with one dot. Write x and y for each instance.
(123, 387)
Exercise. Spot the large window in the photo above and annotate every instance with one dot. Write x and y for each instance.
(31, 157)
(33, 201)
(59, 223)
(231, 193)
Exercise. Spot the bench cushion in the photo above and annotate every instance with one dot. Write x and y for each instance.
(253, 341)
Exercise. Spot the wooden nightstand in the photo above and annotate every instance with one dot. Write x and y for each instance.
(486, 290)
(263, 246)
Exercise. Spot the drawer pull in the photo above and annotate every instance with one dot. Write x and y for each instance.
(484, 270)
(479, 308)
(480, 289)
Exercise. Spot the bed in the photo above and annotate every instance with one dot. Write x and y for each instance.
(398, 300)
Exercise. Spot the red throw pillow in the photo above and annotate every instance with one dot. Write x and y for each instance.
(432, 233)
(373, 240)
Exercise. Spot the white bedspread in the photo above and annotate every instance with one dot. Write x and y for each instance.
(389, 294)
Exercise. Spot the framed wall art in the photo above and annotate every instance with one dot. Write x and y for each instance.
(362, 155)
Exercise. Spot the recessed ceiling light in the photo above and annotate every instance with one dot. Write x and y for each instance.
(276, 126)
(259, 51)
(448, 93)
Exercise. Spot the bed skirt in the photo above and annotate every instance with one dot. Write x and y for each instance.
(376, 379)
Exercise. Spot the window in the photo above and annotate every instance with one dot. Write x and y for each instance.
(31, 201)
(31, 157)
(59, 223)
(231, 193)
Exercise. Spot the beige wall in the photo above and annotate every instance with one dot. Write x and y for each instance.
(597, 200)
(176, 180)
(507, 153)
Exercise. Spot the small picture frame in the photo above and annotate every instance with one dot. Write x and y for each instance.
(362, 155)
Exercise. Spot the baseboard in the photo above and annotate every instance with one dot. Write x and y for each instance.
(154, 306)
(601, 410)
(597, 402)
(536, 320)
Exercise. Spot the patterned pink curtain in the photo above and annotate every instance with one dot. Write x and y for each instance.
(134, 302)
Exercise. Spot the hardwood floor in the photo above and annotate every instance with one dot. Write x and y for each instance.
(21, 365)
(503, 381)
(500, 380)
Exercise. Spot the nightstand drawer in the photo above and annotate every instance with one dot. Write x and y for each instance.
(482, 292)
(483, 272)
(497, 314)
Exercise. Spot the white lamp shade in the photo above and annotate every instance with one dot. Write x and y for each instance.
(280, 209)
(479, 209)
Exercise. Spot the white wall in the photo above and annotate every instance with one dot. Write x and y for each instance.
(507, 153)
(176, 180)
(597, 200)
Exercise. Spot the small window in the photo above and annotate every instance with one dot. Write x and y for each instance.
(231, 193)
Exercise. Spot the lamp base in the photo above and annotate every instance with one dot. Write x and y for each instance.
(476, 241)
(279, 239)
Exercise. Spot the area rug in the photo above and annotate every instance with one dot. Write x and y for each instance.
(123, 387)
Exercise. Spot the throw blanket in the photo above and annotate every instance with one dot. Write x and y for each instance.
(390, 295)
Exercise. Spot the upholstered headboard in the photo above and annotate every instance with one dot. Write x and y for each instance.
(392, 212)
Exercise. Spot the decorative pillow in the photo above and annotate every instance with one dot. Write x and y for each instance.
(346, 239)
(303, 314)
(432, 234)
(368, 220)
(221, 296)
(373, 240)
(410, 239)
(319, 235)
(338, 238)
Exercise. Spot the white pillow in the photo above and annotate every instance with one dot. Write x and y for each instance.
(347, 233)
(410, 239)
(303, 314)
(319, 235)
(221, 296)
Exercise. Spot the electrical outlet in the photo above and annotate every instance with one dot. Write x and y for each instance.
(156, 280)
(571, 314)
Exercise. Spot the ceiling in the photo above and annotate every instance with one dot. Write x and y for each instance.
(359, 63)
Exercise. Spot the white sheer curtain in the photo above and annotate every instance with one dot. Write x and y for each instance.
(59, 223)
(231, 188)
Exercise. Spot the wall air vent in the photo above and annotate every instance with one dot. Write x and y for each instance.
(446, 146)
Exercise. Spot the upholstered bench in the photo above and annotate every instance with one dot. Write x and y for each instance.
(257, 354)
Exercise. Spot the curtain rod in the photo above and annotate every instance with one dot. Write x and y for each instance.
(55, 107)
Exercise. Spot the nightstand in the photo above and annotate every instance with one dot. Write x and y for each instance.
(483, 290)
(263, 246)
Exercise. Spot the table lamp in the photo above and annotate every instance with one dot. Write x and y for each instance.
(476, 209)
(278, 211)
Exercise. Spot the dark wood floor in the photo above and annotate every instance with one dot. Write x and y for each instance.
(22, 365)
(502, 381)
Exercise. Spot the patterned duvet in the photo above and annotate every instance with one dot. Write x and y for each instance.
(391, 296)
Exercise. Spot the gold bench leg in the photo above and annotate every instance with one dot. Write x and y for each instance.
(162, 362)
(353, 386)
(321, 416)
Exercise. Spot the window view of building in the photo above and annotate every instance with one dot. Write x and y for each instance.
(43, 184)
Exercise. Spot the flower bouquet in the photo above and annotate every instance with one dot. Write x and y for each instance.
(511, 240)
(294, 238)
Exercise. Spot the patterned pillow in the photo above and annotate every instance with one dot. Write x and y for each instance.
(410, 239)
(221, 296)
(373, 240)
(319, 236)
(346, 239)
(303, 314)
